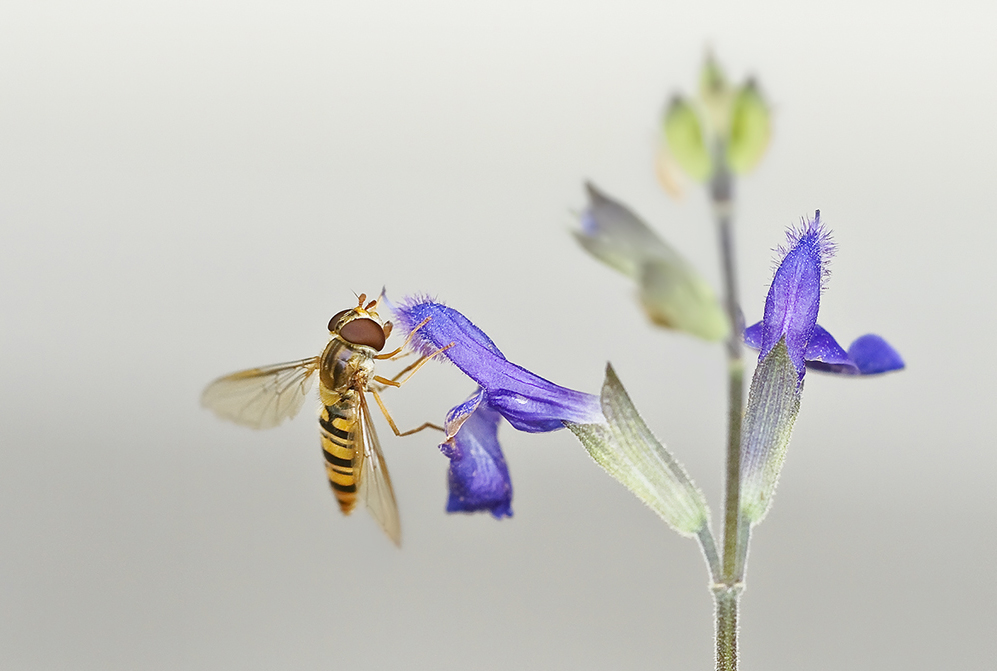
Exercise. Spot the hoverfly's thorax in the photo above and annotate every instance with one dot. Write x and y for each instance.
(342, 363)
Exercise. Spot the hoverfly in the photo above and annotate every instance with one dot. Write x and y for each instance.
(262, 398)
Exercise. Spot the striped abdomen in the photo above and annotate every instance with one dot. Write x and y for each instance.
(338, 422)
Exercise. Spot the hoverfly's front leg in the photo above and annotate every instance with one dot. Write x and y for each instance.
(394, 353)
(411, 369)
(391, 422)
(398, 380)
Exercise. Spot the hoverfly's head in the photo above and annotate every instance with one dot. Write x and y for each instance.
(361, 325)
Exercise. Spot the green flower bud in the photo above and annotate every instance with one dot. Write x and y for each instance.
(685, 139)
(715, 95)
(672, 293)
(712, 80)
(750, 129)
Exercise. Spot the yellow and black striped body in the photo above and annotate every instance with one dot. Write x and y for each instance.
(339, 422)
(344, 371)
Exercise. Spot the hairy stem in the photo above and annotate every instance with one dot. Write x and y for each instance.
(722, 195)
(727, 590)
(726, 604)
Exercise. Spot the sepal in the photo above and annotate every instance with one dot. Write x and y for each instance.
(773, 403)
(628, 451)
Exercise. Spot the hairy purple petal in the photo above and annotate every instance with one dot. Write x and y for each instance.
(868, 355)
(478, 477)
(459, 413)
(873, 355)
(825, 354)
(526, 400)
(794, 296)
(753, 336)
(445, 325)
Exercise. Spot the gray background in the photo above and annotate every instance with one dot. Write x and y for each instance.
(191, 188)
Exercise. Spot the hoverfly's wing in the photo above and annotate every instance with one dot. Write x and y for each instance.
(371, 473)
(262, 398)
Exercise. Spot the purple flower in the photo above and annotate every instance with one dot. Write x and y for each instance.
(479, 478)
(791, 313)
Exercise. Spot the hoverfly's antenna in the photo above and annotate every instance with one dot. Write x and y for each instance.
(361, 298)
(370, 305)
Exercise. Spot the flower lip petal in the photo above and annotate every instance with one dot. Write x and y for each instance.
(823, 351)
(753, 336)
(459, 413)
(873, 355)
(825, 354)
(868, 355)
(479, 478)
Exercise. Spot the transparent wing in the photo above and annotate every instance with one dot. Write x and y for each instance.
(373, 482)
(261, 398)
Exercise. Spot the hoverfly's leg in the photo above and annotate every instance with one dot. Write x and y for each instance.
(393, 382)
(393, 354)
(391, 422)
(411, 369)
(384, 383)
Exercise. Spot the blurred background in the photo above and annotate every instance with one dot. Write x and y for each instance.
(191, 188)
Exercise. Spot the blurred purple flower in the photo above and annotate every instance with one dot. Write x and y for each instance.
(479, 478)
(791, 313)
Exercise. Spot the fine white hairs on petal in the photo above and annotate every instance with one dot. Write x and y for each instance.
(814, 233)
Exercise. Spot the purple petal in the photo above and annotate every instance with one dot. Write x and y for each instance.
(528, 401)
(753, 336)
(459, 413)
(479, 478)
(873, 355)
(794, 296)
(445, 325)
(826, 355)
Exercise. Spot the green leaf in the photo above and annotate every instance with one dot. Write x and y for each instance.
(671, 292)
(685, 139)
(773, 403)
(750, 129)
(629, 452)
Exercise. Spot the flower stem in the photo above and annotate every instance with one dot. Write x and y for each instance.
(726, 602)
(727, 590)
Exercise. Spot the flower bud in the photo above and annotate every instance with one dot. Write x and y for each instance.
(685, 139)
(671, 292)
(749, 129)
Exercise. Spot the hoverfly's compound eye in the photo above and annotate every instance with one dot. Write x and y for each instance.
(363, 331)
(335, 319)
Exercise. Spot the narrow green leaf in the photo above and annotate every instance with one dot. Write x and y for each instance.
(750, 129)
(773, 403)
(629, 452)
